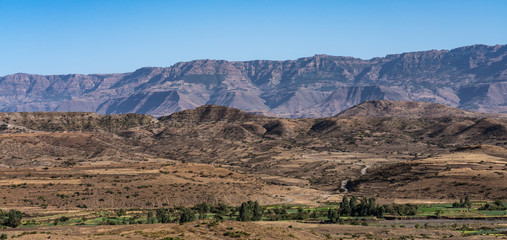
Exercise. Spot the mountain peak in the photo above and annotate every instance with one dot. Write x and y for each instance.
(211, 113)
(471, 78)
(405, 109)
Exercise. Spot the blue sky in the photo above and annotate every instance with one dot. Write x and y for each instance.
(68, 36)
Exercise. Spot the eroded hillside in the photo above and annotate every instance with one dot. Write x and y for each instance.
(334, 155)
(470, 77)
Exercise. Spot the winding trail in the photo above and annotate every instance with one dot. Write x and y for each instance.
(344, 185)
(344, 182)
(363, 170)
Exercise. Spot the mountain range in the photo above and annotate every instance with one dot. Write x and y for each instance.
(470, 78)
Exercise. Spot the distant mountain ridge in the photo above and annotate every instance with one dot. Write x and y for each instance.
(470, 78)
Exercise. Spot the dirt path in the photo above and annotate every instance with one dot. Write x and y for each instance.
(344, 182)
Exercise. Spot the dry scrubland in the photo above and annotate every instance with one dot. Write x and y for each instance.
(148, 185)
(241, 230)
(75, 164)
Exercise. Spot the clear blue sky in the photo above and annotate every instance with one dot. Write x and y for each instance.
(106, 36)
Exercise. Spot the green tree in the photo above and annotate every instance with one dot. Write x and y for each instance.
(468, 203)
(250, 211)
(202, 209)
(221, 209)
(150, 218)
(345, 207)
(372, 207)
(302, 214)
(3, 217)
(163, 215)
(333, 215)
(14, 218)
(353, 206)
(363, 207)
(257, 212)
(245, 213)
(186, 215)
(380, 211)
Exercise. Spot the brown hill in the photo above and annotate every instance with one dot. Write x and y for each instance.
(212, 113)
(301, 153)
(449, 176)
(273, 147)
(404, 109)
(73, 121)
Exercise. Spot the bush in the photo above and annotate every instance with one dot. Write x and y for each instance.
(120, 212)
(186, 215)
(163, 215)
(497, 205)
(13, 218)
(236, 234)
(172, 238)
(64, 219)
(402, 209)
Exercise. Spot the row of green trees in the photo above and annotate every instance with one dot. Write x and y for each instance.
(463, 203)
(200, 211)
(365, 207)
(368, 207)
(495, 206)
(248, 211)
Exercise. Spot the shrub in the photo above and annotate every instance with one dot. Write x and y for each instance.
(13, 218)
(163, 215)
(186, 215)
(236, 234)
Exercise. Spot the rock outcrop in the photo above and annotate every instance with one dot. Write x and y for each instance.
(471, 78)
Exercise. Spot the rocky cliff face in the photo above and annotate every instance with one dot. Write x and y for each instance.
(471, 78)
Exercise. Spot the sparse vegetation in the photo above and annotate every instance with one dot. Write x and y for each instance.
(297, 169)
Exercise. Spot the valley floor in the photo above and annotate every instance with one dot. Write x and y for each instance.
(262, 230)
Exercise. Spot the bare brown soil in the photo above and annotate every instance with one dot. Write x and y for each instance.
(479, 173)
(250, 230)
(167, 160)
(145, 185)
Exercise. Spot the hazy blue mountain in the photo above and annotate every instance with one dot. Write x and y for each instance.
(471, 78)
